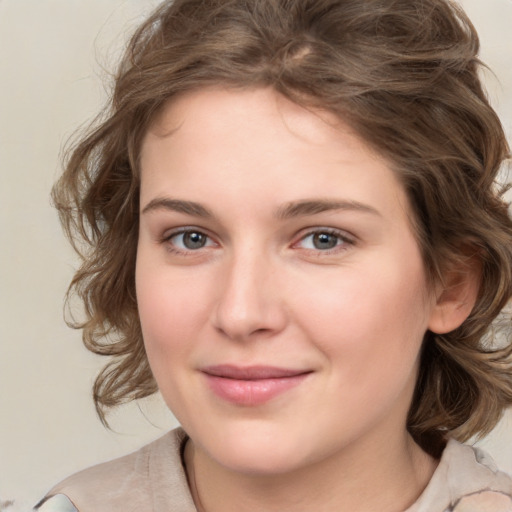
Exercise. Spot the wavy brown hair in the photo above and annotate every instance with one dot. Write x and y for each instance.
(404, 75)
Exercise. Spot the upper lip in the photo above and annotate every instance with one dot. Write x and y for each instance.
(259, 372)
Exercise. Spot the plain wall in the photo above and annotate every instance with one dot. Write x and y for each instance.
(52, 59)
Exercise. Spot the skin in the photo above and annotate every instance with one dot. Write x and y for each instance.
(263, 291)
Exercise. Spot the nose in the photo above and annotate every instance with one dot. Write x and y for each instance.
(250, 302)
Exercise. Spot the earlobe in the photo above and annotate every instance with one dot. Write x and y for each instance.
(455, 297)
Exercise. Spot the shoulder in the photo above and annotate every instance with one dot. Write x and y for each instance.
(148, 479)
(56, 503)
(466, 480)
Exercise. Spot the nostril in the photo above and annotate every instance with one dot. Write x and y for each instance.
(258, 322)
(248, 304)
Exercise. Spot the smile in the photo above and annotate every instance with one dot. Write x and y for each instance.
(251, 386)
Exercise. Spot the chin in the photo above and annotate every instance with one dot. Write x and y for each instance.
(257, 449)
(260, 462)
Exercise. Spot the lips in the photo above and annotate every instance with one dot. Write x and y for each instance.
(254, 385)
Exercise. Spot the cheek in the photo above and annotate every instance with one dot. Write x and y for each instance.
(169, 309)
(373, 319)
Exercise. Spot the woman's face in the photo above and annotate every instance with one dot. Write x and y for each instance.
(281, 291)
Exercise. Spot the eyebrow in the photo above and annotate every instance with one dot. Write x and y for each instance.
(315, 206)
(287, 211)
(178, 205)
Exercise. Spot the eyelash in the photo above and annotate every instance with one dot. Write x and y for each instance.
(167, 240)
(343, 241)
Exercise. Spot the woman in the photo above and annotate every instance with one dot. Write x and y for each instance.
(293, 232)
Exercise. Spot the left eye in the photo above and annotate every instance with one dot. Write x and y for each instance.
(190, 240)
(322, 240)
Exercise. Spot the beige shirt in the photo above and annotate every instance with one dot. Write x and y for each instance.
(153, 480)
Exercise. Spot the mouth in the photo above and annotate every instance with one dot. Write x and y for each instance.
(253, 385)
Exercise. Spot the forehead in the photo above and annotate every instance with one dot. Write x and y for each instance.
(248, 105)
(245, 140)
(261, 114)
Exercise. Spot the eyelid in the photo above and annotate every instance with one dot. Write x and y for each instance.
(170, 234)
(346, 238)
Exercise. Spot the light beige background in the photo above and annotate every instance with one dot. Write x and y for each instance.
(53, 56)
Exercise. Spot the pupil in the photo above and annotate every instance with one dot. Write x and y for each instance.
(324, 241)
(194, 240)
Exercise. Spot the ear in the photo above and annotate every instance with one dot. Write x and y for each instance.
(455, 296)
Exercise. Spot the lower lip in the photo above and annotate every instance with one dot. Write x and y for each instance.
(252, 392)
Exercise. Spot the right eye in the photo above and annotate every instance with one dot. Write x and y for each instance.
(188, 240)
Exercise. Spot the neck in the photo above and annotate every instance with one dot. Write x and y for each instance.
(387, 477)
